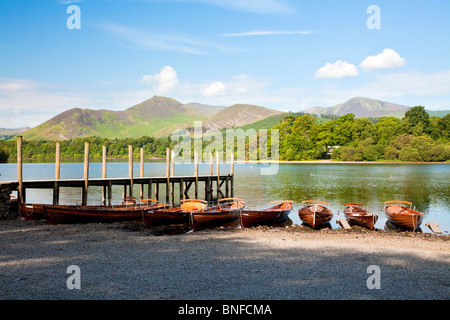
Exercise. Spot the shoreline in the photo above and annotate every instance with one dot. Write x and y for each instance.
(51, 160)
(128, 261)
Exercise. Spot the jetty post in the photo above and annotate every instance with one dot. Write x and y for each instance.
(196, 172)
(172, 174)
(130, 168)
(218, 175)
(106, 190)
(232, 174)
(84, 192)
(167, 175)
(57, 173)
(21, 190)
(141, 171)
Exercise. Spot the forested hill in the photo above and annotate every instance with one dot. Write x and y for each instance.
(416, 137)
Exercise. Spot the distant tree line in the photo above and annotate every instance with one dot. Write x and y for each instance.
(416, 137)
(74, 149)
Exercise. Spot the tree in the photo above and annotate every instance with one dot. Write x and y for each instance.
(349, 153)
(410, 154)
(390, 153)
(387, 129)
(443, 127)
(416, 121)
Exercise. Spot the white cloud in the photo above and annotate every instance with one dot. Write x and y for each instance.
(217, 88)
(339, 69)
(164, 81)
(386, 60)
(265, 33)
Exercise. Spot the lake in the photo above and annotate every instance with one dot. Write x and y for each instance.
(427, 186)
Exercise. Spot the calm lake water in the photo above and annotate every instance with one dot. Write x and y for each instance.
(427, 186)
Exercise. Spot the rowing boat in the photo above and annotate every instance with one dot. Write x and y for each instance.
(66, 214)
(175, 215)
(402, 216)
(220, 215)
(32, 211)
(274, 214)
(315, 214)
(359, 216)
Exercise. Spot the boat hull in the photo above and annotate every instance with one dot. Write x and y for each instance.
(361, 217)
(153, 218)
(215, 217)
(315, 216)
(270, 216)
(89, 214)
(32, 211)
(403, 217)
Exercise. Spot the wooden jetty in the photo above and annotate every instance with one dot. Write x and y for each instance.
(212, 184)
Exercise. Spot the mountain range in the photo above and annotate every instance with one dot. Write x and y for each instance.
(368, 108)
(160, 116)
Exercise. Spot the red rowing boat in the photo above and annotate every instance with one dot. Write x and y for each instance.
(315, 214)
(176, 215)
(31, 211)
(269, 216)
(220, 215)
(402, 216)
(359, 216)
(66, 214)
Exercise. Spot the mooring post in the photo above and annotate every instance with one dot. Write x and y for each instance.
(130, 168)
(104, 175)
(21, 191)
(142, 171)
(232, 174)
(172, 174)
(84, 194)
(211, 173)
(211, 165)
(168, 175)
(57, 173)
(218, 174)
(196, 172)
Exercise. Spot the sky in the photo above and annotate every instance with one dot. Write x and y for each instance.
(288, 55)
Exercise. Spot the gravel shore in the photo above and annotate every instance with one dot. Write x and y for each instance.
(130, 262)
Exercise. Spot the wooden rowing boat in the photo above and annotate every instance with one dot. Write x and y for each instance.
(220, 215)
(175, 215)
(358, 216)
(66, 214)
(402, 216)
(31, 211)
(35, 211)
(269, 216)
(315, 214)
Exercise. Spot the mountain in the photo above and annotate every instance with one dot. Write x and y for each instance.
(363, 108)
(157, 116)
(6, 133)
(238, 115)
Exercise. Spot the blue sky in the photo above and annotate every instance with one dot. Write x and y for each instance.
(283, 54)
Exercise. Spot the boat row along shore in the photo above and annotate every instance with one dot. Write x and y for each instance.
(198, 214)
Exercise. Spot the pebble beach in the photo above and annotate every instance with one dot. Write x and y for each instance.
(128, 261)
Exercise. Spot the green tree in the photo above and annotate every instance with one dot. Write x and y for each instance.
(387, 129)
(410, 154)
(416, 121)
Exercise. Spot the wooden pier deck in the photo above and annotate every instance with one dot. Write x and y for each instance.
(210, 187)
